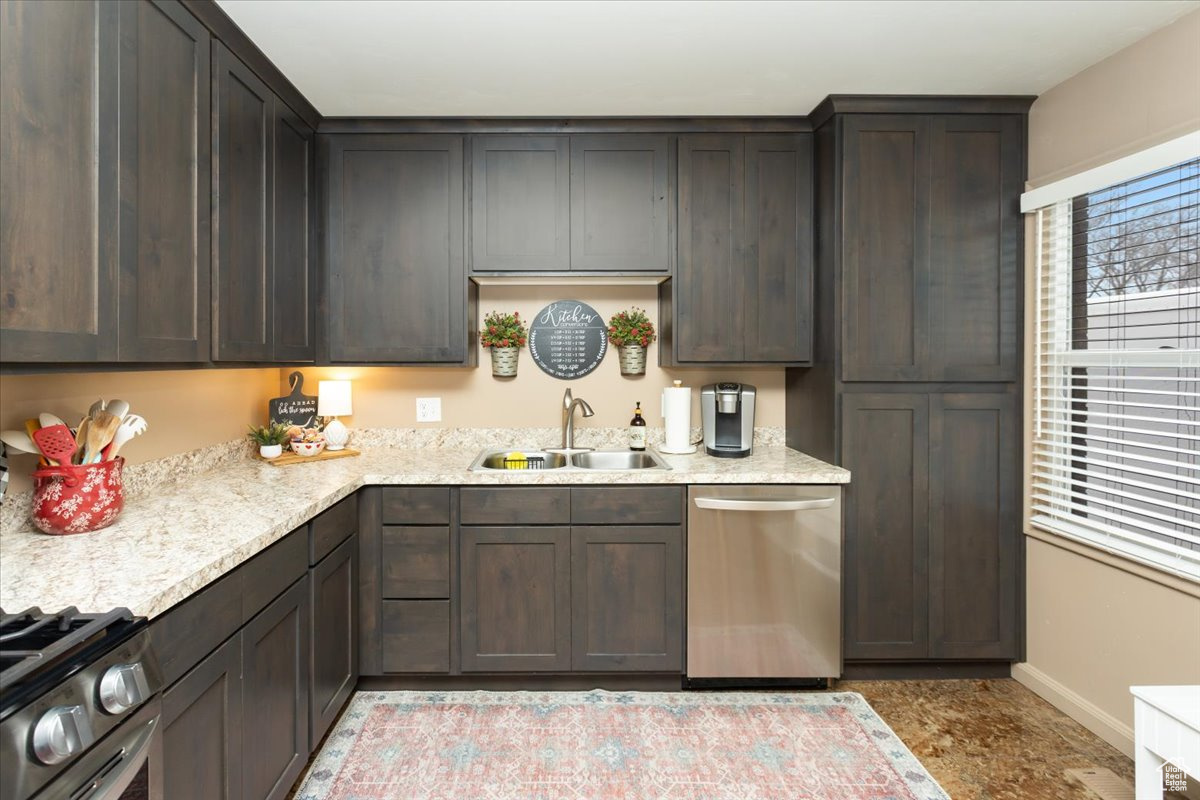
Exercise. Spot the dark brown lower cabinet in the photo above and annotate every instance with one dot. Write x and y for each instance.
(516, 599)
(202, 729)
(416, 635)
(626, 598)
(334, 669)
(275, 695)
(932, 526)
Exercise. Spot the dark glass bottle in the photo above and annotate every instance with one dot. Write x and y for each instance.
(637, 430)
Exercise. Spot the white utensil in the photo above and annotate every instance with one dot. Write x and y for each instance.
(49, 420)
(133, 425)
(118, 408)
(20, 441)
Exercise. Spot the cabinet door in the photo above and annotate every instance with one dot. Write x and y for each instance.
(275, 694)
(885, 445)
(294, 278)
(777, 309)
(516, 599)
(710, 280)
(975, 247)
(334, 642)
(973, 525)
(58, 178)
(520, 204)
(626, 599)
(885, 248)
(619, 203)
(397, 285)
(202, 729)
(242, 160)
(166, 187)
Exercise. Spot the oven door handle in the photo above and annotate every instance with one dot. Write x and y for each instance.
(730, 504)
(117, 781)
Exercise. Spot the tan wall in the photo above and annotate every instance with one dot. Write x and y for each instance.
(472, 398)
(1138, 97)
(1095, 625)
(186, 410)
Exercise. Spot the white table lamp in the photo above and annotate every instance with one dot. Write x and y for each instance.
(333, 400)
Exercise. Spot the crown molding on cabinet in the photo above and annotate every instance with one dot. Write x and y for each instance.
(917, 104)
(554, 125)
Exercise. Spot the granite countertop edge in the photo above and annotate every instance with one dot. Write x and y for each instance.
(170, 543)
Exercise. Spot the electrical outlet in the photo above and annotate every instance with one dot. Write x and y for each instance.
(429, 409)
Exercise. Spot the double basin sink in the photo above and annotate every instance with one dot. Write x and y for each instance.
(590, 460)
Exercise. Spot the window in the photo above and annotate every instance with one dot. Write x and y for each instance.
(1116, 428)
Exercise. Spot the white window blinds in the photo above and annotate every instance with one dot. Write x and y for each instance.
(1116, 429)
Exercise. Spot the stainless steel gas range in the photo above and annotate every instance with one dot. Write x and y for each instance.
(79, 706)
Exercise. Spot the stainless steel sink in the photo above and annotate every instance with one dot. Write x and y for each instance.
(592, 461)
(617, 460)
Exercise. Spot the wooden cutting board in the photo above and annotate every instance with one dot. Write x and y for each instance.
(289, 457)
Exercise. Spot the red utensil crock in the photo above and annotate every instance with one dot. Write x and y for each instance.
(77, 498)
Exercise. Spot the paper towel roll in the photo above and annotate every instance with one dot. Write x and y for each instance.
(677, 419)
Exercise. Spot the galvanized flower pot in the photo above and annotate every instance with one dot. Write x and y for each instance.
(504, 361)
(633, 359)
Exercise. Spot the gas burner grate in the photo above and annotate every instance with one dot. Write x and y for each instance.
(32, 640)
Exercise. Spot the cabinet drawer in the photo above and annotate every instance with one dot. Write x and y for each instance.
(416, 562)
(193, 629)
(508, 506)
(428, 505)
(331, 528)
(416, 636)
(265, 576)
(627, 505)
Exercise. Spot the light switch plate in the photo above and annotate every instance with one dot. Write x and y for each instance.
(429, 409)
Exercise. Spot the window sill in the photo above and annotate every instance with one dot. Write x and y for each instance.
(1149, 572)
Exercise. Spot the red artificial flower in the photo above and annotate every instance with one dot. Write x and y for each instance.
(504, 342)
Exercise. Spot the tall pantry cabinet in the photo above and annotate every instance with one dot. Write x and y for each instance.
(915, 383)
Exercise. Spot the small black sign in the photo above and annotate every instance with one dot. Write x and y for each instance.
(297, 408)
(568, 339)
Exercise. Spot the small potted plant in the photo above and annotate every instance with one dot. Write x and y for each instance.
(504, 335)
(631, 332)
(270, 439)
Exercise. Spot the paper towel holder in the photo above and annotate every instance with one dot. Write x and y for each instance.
(682, 406)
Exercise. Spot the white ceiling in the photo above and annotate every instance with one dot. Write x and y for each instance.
(477, 58)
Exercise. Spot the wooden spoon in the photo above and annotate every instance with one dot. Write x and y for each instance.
(100, 433)
(81, 434)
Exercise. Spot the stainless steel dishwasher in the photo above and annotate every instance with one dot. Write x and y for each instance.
(764, 583)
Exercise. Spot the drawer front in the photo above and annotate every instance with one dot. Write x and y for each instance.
(417, 505)
(191, 630)
(515, 506)
(265, 576)
(416, 562)
(627, 505)
(334, 526)
(416, 636)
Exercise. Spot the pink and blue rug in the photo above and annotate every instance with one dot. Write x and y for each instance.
(614, 746)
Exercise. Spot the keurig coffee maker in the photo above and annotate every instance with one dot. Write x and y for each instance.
(727, 410)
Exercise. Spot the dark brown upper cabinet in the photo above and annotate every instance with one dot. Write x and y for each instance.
(294, 336)
(931, 231)
(165, 187)
(243, 142)
(520, 204)
(742, 290)
(620, 203)
(397, 289)
(58, 181)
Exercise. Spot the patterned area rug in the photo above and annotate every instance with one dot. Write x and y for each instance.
(614, 746)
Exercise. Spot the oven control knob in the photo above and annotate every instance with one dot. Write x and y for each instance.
(122, 687)
(60, 733)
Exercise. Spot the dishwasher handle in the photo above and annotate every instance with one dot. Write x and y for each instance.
(732, 504)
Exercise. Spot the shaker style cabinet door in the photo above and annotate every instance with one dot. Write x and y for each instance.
(58, 178)
(397, 288)
(166, 187)
(294, 282)
(885, 445)
(334, 642)
(885, 248)
(520, 204)
(974, 525)
(620, 203)
(242, 160)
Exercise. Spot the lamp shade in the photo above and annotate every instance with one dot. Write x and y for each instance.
(333, 399)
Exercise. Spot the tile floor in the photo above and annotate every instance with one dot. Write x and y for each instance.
(991, 739)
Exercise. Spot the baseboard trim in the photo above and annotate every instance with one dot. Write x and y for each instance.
(650, 682)
(1076, 706)
(924, 670)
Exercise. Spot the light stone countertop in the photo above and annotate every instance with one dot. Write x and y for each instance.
(173, 540)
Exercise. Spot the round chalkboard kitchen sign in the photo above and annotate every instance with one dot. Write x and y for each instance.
(567, 339)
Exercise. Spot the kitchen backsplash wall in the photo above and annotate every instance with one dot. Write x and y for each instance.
(385, 397)
(186, 409)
